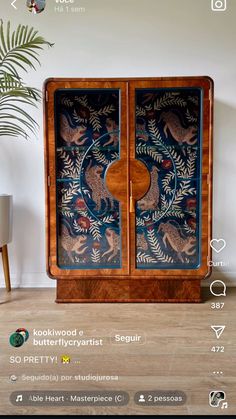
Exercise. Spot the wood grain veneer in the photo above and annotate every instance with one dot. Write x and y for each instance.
(128, 283)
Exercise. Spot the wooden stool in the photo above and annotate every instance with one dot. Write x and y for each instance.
(6, 270)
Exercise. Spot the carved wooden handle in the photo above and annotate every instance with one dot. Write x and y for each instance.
(120, 175)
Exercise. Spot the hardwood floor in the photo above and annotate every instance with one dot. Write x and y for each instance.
(174, 351)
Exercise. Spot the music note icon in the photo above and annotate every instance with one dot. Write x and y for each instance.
(19, 398)
(224, 405)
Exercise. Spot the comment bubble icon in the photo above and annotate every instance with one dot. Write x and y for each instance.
(218, 288)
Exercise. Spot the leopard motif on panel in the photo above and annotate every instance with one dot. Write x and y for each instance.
(179, 244)
(151, 200)
(71, 135)
(72, 244)
(111, 127)
(141, 132)
(178, 132)
(113, 240)
(142, 242)
(96, 184)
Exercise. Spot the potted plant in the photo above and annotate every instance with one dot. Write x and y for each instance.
(19, 52)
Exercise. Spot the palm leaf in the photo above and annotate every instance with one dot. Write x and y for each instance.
(19, 50)
(12, 94)
(12, 86)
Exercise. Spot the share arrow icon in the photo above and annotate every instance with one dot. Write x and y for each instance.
(218, 330)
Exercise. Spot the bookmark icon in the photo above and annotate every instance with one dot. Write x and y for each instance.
(218, 330)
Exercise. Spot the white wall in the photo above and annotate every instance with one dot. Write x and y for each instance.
(123, 38)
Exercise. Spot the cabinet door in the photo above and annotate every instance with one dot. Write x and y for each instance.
(171, 123)
(86, 123)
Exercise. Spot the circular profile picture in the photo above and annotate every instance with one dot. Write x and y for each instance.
(36, 6)
(23, 332)
(16, 340)
(19, 337)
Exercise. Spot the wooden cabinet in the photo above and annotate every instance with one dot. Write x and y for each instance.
(128, 168)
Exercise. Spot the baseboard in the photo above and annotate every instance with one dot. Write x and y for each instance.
(41, 280)
(29, 280)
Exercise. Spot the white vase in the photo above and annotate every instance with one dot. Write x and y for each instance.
(5, 219)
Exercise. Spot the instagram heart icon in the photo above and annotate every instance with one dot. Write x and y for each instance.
(217, 245)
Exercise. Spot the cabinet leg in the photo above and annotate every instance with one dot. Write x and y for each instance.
(6, 270)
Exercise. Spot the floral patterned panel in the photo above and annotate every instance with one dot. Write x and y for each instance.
(87, 142)
(168, 141)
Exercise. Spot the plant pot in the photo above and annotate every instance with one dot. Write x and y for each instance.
(5, 219)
